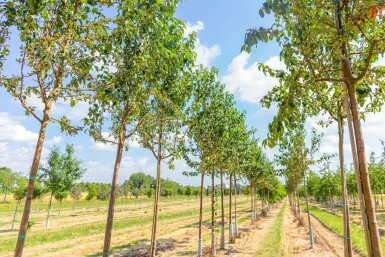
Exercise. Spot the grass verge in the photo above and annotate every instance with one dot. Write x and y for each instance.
(272, 243)
(335, 224)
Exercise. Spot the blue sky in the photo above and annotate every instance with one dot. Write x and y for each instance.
(220, 26)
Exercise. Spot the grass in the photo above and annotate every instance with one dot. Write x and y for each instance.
(93, 228)
(271, 245)
(335, 223)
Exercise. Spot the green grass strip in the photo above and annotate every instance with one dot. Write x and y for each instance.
(335, 224)
(272, 243)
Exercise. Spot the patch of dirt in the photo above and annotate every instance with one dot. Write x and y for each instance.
(297, 239)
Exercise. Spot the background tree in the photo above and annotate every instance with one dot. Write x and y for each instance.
(60, 173)
(8, 180)
(20, 191)
(103, 191)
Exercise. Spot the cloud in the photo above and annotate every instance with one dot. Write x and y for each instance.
(12, 130)
(247, 81)
(205, 54)
(371, 128)
(18, 144)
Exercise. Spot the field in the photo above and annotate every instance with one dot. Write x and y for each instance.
(79, 231)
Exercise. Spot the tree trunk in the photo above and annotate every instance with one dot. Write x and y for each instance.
(223, 215)
(111, 204)
(357, 173)
(346, 219)
(14, 215)
(252, 203)
(363, 168)
(308, 214)
(98, 205)
(382, 200)
(5, 195)
(49, 211)
(235, 207)
(213, 245)
(31, 182)
(231, 235)
(200, 249)
(58, 216)
(156, 205)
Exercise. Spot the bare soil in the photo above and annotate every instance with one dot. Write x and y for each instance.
(297, 239)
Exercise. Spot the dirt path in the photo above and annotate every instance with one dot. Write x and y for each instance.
(183, 242)
(326, 242)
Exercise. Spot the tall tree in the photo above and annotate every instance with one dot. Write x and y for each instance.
(55, 62)
(335, 47)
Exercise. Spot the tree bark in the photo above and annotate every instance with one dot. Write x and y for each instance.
(308, 214)
(213, 246)
(235, 206)
(222, 214)
(346, 219)
(363, 168)
(200, 250)
(14, 215)
(31, 182)
(5, 195)
(357, 173)
(49, 211)
(156, 203)
(111, 204)
(231, 236)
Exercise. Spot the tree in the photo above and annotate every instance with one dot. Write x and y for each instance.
(163, 133)
(8, 179)
(55, 63)
(60, 173)
(20, 191)
(103, 190)
(333, 48)
(92, 191)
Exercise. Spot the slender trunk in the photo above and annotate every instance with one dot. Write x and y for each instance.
(156, 205)
(14, 215)
(49, 211)
(235, 207)
(373, 239)
(5, 195)
(200, 249)
(362, 176)
(111, 204)
(308, 215)
(231, 235)
(223, 215)
(58, 216)
(382, 200)
(98, 205)
(268, 199)
(346, 219)
(31, 182)
(213, 245)
(252, 202)
(375, 200)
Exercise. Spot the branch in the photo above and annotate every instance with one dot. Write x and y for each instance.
(370, 54)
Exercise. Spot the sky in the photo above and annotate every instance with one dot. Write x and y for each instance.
(220, 26)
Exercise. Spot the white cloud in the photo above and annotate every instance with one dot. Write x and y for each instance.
(12, 130)
(371, 127)
(205, 54)
(17, 143)
(248, 81)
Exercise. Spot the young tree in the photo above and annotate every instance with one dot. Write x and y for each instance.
(20, 191)
(103, 191)
(55, 62)
(8, 180)
(334, 48)
(60, 173)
